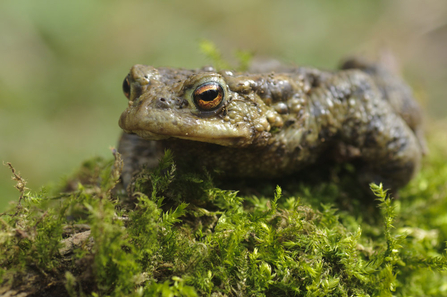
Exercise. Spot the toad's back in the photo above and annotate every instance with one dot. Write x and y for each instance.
(272, 124)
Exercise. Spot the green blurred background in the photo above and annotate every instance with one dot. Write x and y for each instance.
(62, 63)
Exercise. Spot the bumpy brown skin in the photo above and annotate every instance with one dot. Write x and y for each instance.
(273, 124)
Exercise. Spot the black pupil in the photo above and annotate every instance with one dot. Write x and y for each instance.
(126, 87)
(209, 95)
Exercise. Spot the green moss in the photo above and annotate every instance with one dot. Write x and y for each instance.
(183, 236)
(210, 50)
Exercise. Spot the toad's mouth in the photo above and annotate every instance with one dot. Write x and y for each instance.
(230, 141)
(169, 124)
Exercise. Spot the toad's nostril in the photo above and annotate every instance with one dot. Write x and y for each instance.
(162, 103)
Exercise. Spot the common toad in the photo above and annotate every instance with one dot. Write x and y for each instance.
(273, 123)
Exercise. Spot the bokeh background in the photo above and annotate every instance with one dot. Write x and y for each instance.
(62, 63)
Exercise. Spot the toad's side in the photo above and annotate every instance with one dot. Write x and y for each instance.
(272, 124)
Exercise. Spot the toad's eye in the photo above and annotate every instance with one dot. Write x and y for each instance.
(208, 96)
(126, 87)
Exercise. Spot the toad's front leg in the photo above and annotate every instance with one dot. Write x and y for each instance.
(136, 153)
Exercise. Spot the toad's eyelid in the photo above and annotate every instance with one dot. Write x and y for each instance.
(209, 86)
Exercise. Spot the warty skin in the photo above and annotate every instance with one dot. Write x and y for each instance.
(274, 123)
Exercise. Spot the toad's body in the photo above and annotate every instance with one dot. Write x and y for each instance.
(274, 123)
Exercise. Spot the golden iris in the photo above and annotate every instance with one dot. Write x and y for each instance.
(208, 96)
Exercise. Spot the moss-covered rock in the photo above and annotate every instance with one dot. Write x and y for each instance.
(180, 235)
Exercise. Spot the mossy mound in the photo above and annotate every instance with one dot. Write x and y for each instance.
(183, 236)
